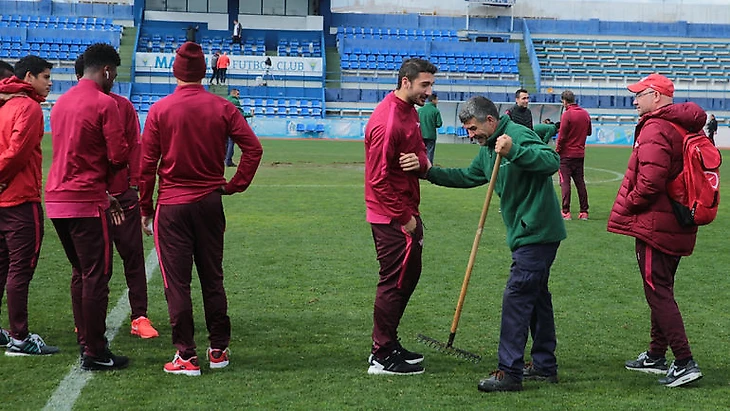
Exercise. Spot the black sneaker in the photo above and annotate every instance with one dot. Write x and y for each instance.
(500, 381)
(644, 363)
(105, 362)
(677, 376)
(4, 338)
(32, 345)
(409, 356)
(394, 364)
(529, 372)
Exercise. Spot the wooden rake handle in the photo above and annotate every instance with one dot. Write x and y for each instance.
(475, 246)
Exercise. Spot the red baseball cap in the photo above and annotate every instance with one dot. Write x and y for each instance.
(655, 82)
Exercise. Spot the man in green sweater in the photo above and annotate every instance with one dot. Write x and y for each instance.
(531, 213)
(430, 119)
(547, 130)
(234, 97)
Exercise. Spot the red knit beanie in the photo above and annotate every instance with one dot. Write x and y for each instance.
(189, 63)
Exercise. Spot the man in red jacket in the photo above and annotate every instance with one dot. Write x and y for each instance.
(87, 140)
(392, 197)
(642, 210)
(184, 143)
(21, 214)
(575, 127)
(123, 185)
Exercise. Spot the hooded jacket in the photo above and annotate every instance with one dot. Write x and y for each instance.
(642, 208)
(530, 207)
(21, 132)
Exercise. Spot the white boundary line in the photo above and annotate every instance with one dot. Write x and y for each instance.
(70, 387)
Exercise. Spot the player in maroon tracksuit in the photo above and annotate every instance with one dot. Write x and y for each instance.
(575, 127)
(87, 140)
(392, 197)
(184, 143)
(123, 185)
(21, 214)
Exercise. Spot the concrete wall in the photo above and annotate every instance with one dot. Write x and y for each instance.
(693, 11)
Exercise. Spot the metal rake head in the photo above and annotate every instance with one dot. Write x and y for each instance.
(449, 349)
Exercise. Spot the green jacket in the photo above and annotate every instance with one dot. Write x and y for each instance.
(237, 102)
(545, 131)
(530, 208)
(430, 118)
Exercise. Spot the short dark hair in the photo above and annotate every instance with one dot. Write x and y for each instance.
(6, 70)
(412, 67)
(520, 91)
(479, 108)
(433, 97)
(79, 66)
(31, 64)
(99, 55)
(568, 96)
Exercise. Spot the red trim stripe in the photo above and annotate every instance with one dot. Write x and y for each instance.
(155, 235)
(37, 222)
(647, 266)
(107, 241)
(404, 264)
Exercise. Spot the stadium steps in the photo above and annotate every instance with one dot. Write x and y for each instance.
(126, 48)
(527, 77)
(334, 72)
(218, 89)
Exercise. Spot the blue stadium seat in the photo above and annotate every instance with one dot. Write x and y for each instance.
(301, 128)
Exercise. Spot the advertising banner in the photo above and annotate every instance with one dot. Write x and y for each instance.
(250, 65)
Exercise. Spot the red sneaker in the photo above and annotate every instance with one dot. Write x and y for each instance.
(583, 216)
(142, 326)
(218, 358)
(186, 367)
(566, 216)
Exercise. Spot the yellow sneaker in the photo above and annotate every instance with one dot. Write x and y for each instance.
(143, 327)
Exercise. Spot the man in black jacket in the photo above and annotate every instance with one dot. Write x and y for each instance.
(519, 113)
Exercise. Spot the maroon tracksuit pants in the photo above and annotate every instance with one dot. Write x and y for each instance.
(187, 233)
(399, 255)
(128, 240)
(88, 246)
(573, 168)
(21, 233)
(667, 328)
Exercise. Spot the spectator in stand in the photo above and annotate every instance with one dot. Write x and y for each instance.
(520, 113)
(21, 213)
(214, 66)
(712, 128)
(191, 33)
(237, 31)
(123, 186)
(88, 142)
(223, 62)
(184, 141)
(6, 70)
(430, 118)
(575, 127)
